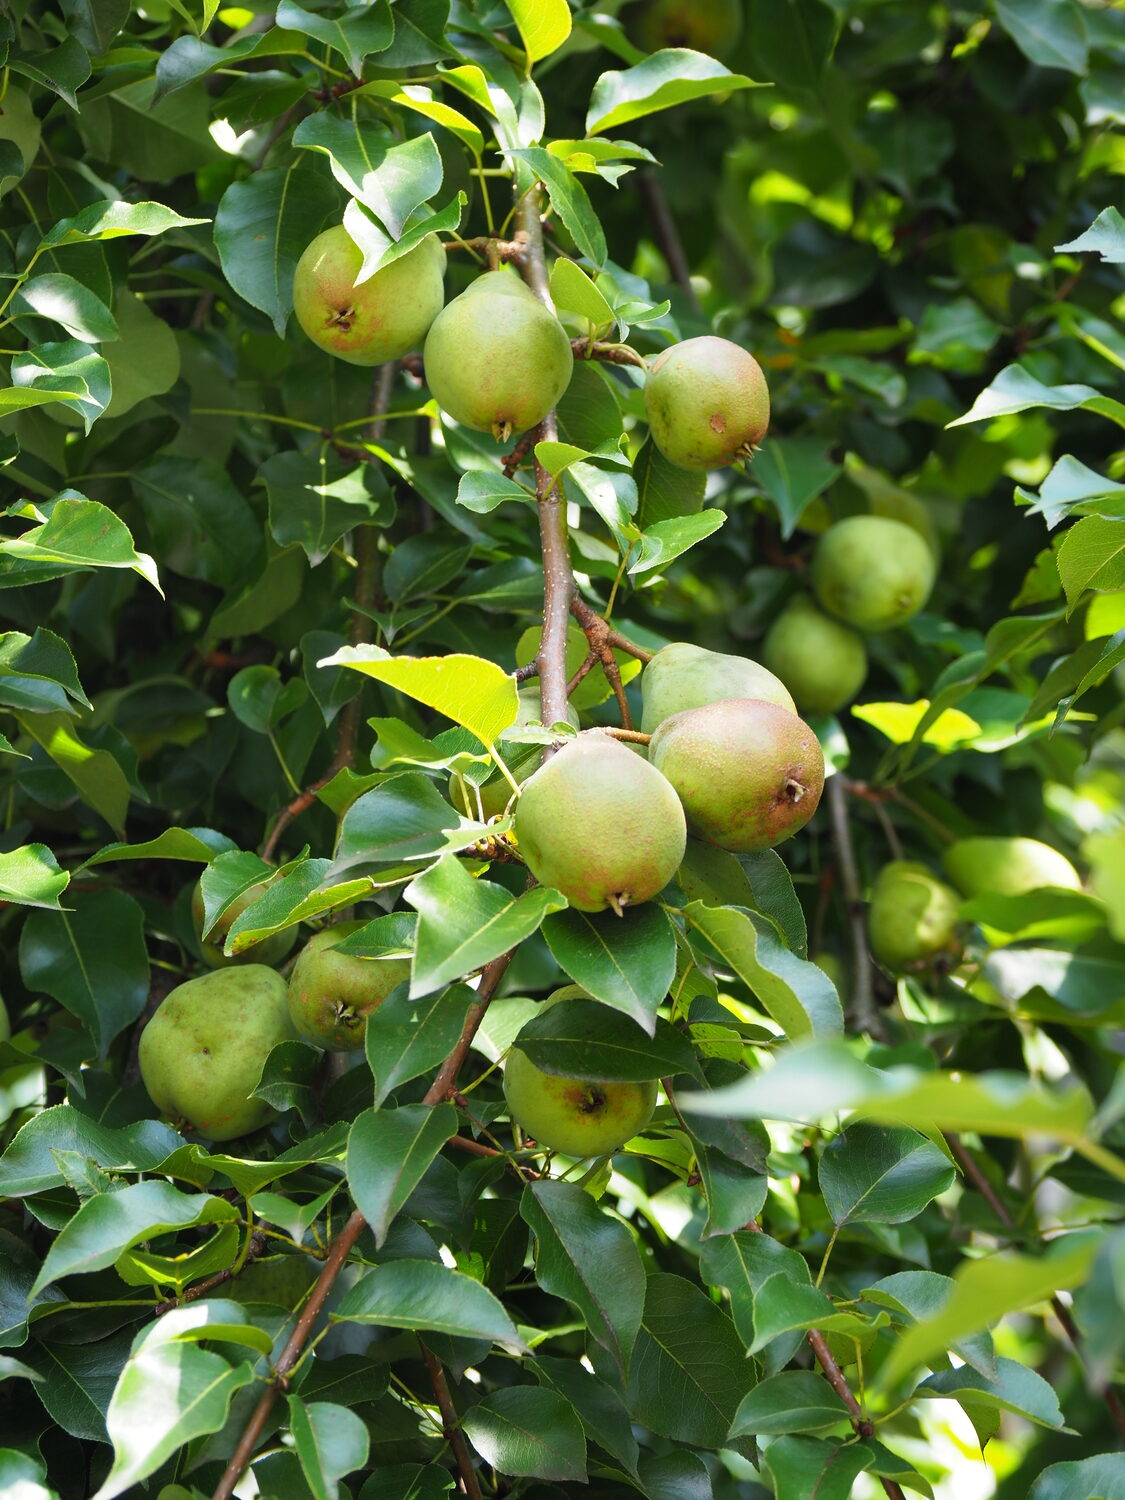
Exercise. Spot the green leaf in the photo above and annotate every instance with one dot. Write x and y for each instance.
(1105, 854)
(392, 181)
(402, 820)
(572, 290)
(96, 774)
(528, 1430)
(743, 1263)
(109, 219)
(1099, 1478)
(664, 541)
(69, 366)
(792, 472)
(582, 1039)
(665, 491)
(870, 1174)
(1015, 389)
(464, 924)
(315, 497)
(30, 876)
(792, 40)
(673, 76)
(569, 200)
(75, 1382)
(78, 534)
(1105, 237)
(470, 690)
(66, 301)
(628, 962)
(197, 845)
(359, 32)
(420, 1295)
(590, 1260)
(417, 97)
(91, 959)
(262, 226)
(330, 1440)
(797, 994)
(23, 1476)
(1013, 1388)
(199, 521)
(983, 1292)
(167, 1395)
(1092, 556)
(111, 1223)
(389, 1152)
(599, 1407)
(782, 1305)
(689, 1371)
(30, 1165)
(1051, 33)
(794, 1401)
(808, 1468)
(62, 70)
(544, 26)
(405, 1039)
(482, 490)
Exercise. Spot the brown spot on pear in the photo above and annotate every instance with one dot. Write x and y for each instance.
(574, 1115)
(332, 994)
(202, 1053)
(496, 359)
(682, 676)
(383, 317)
(912, 917)
(601, 825)
(1007, 867)
(749, 773)
(706, 400)
(872, 572)
(822, 661)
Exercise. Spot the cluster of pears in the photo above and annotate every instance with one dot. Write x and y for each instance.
(913, 919)
(498, 360)
(728, 760)
(201, 1055)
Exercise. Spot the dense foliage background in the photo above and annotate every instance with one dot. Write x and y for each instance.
(889, 1241)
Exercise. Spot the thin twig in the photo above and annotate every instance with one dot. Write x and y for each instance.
(451, 1423)
(667, 235)
(343, 1244)
(863, 1002)
(610, 354)
(558, 580)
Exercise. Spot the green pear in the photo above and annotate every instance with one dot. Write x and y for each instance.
(707, 403)
(822, 661)
(203, 1051)
(749, 773)
(682, 676)
(522, 760)
(872, 572)
(711, 26)
(1007, 867)
(574, 1115)
(496, 359)
(600, 825)
(912, 916)
(271, 950)
(383, 317)
(332, 994)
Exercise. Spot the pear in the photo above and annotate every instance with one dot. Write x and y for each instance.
(749, 773)
(707, 403)
(822, 661)
(600, 825)
(872, 572)
(203, 1051)
(332, 994)
(271, 950)
(683, 676)
(383, 317)
(1007, 867)
(574, 1115)
(711, 26)
(496, 359)
(912, 916)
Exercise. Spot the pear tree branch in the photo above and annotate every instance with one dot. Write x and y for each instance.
(863, 999)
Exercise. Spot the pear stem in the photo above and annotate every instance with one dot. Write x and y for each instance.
(631, 736)
(558, 579)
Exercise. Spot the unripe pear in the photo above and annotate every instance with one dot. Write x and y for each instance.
(600, 825)
(332, 994)
(711, 26)
(748, 773)
(496, 359)
(203, 1051)
(872, 572)
(707, 403)
(271, 950)
(912, 916)
(574, 1115)
(383, 317)
(822, 661)
(1007, 867)
(682, 676)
